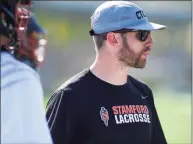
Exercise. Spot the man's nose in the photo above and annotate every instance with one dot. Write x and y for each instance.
(149, 41)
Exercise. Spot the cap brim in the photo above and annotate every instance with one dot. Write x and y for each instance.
(155, 26)
(149, 26)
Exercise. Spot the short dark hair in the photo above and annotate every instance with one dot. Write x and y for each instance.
(100, 38)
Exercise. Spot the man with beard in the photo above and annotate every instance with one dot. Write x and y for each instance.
(103, 104)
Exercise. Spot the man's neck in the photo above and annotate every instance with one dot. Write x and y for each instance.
(109, 70)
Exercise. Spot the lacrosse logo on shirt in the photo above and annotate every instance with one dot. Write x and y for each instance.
(104, 115)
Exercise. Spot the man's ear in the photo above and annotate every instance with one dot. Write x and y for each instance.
(112, 38)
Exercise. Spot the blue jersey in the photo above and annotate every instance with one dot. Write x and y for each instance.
(22, 113)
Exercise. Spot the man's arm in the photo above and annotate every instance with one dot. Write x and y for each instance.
(36, 125)
(23, 116)
(158, 136)
(61, 118)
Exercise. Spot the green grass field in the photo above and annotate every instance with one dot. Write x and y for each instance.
(175, 115)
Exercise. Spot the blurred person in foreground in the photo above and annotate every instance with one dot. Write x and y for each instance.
(22, 40)
(103, 104)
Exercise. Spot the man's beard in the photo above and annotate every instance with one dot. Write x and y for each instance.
(128, 57)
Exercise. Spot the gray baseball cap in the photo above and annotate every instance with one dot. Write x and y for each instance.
(117, 15)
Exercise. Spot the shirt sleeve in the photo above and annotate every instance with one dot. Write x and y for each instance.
(23, 116)
(61, 117)
(158, 136)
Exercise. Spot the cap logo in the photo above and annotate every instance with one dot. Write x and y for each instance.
(140, 14)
